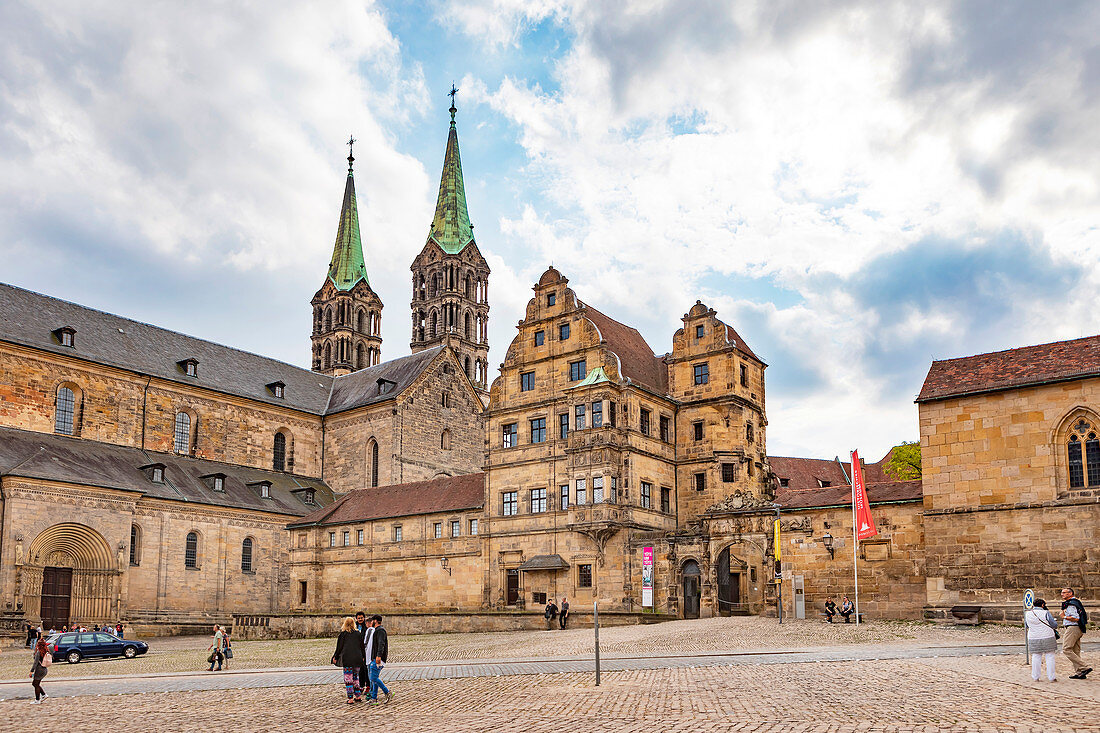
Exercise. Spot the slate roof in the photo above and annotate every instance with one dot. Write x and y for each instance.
(842, 495)
(30, 319)
(90, 463)
(544, 562)
(438, 495)
(636, 360)
(1026, 366)
(804, 473)
(361, 388)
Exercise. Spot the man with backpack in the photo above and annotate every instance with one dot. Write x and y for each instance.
(1074, 618)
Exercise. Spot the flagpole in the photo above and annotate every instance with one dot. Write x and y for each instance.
(855, 546)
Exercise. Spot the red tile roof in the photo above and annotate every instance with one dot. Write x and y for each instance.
(444, 494)
(1026, 366)
(636, 359)
(735, 338)
(805, 473)
(842, 495)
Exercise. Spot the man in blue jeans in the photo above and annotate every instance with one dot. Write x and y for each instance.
(379, 653)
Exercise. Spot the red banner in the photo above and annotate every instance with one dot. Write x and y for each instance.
(865, 525)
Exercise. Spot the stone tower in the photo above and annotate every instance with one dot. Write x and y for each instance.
(347, 314)
(450, 293)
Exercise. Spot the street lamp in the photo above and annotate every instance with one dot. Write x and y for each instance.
(827, 540)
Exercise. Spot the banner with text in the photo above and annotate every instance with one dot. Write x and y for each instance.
(647, 577)
(865, 525)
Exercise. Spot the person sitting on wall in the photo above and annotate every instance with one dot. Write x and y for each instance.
(847, 608)
(830, 610)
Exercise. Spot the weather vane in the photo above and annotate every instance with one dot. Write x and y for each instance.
(351, 158)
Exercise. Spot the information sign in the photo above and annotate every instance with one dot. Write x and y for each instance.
(647, 577)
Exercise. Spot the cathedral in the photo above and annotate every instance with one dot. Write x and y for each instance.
(170, 482)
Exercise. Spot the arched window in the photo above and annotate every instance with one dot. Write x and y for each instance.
(182, 438)
(468, 372)
(435, 284)
(469, 287)
(191, 551)
(361, 321)
(65, 413)
(328, 355)
(373, 463)
(1083, 447)
(328, 319)
(135, 545)
(468, 326)
(246, 555)
(361, 357)
(445, 440)
(434, 330)
(278, 452)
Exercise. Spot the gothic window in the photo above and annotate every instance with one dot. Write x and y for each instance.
(468, 372)
(469, 327)
(328, 319)
(1084, 456)
(361, 357)
(469, 287)
(135, 545)
(373, 463)
(246, 555)
(327, 361)
(191, 550)
(435, 285)
(182, 438)
(420, 325)
(434, 331)
(279, 453)
(65, 412)
(361, 321)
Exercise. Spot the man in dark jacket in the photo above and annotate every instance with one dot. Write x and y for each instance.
(366, 630)
(830, 609)
(1073, 626)
(379, 654)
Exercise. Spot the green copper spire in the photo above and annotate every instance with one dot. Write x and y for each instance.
(348, 266)
(451, 227)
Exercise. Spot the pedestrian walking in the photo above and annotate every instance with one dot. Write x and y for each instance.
(366, 630)
(216, 649)
(847, 608)
(563, 612)
(830, 610)
(379, 654)
(227, 647)
(42, 660)
(1042, 639)
(118, 630)
(349, 656)
(1074, 618)
(551, 614)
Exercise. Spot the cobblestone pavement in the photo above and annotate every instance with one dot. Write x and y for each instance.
(912, 695)
(674, 637)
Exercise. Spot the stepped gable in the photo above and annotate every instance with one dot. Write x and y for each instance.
(437, 495)
(887, 491)
(30, 319)
(362, 387)
(85, 462)
(1059, 361)
(636, 360)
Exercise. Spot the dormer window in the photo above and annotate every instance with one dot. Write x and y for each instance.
(277, 389)
(65, 336)
(823, 484)
(190, 367)
(154, 472)
(385, 385)
(308, 496)
(216, 481)
(264, 487)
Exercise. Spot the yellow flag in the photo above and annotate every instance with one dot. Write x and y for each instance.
(777, 539)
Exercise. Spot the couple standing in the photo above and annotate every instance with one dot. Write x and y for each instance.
(362, 649)
(1042, 636)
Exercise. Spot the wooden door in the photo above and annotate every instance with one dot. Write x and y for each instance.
(691, 596)
(57, 585)
(512, 589)
(729, 586)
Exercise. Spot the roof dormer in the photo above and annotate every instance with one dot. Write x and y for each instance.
(385, 386)
(66, 336)
(264, 487)
(154, 472)
(307, 494)
(277, 390)
(214, 481)
(190, 367)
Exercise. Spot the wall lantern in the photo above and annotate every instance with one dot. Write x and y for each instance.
(827, 540)
(446, 565)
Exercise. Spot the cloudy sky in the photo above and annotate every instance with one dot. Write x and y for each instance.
(857, 187)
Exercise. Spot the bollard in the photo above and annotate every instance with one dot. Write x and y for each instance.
(596, 626)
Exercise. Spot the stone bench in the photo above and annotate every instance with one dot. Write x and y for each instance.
(966, 615)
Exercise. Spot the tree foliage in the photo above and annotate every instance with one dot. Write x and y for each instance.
(904, 462)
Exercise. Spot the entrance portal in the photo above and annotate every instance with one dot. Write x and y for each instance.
(57, 587)
(690, 573)
(511, 596)
(729, 586)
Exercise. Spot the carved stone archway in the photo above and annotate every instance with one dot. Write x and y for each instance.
(81, 556)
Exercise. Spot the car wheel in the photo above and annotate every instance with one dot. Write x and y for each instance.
(73, 657)
(129, 652)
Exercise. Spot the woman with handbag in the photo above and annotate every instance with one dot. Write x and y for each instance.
(42, 660)
(349, 655)
(1042, 640)
(227, 648)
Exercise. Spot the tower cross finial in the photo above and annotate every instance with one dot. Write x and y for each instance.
(351, 158)
(451, 94)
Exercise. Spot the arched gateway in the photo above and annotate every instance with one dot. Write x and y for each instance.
(70, 575)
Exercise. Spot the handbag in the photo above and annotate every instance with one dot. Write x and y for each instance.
(47, 660)
(229, 652)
